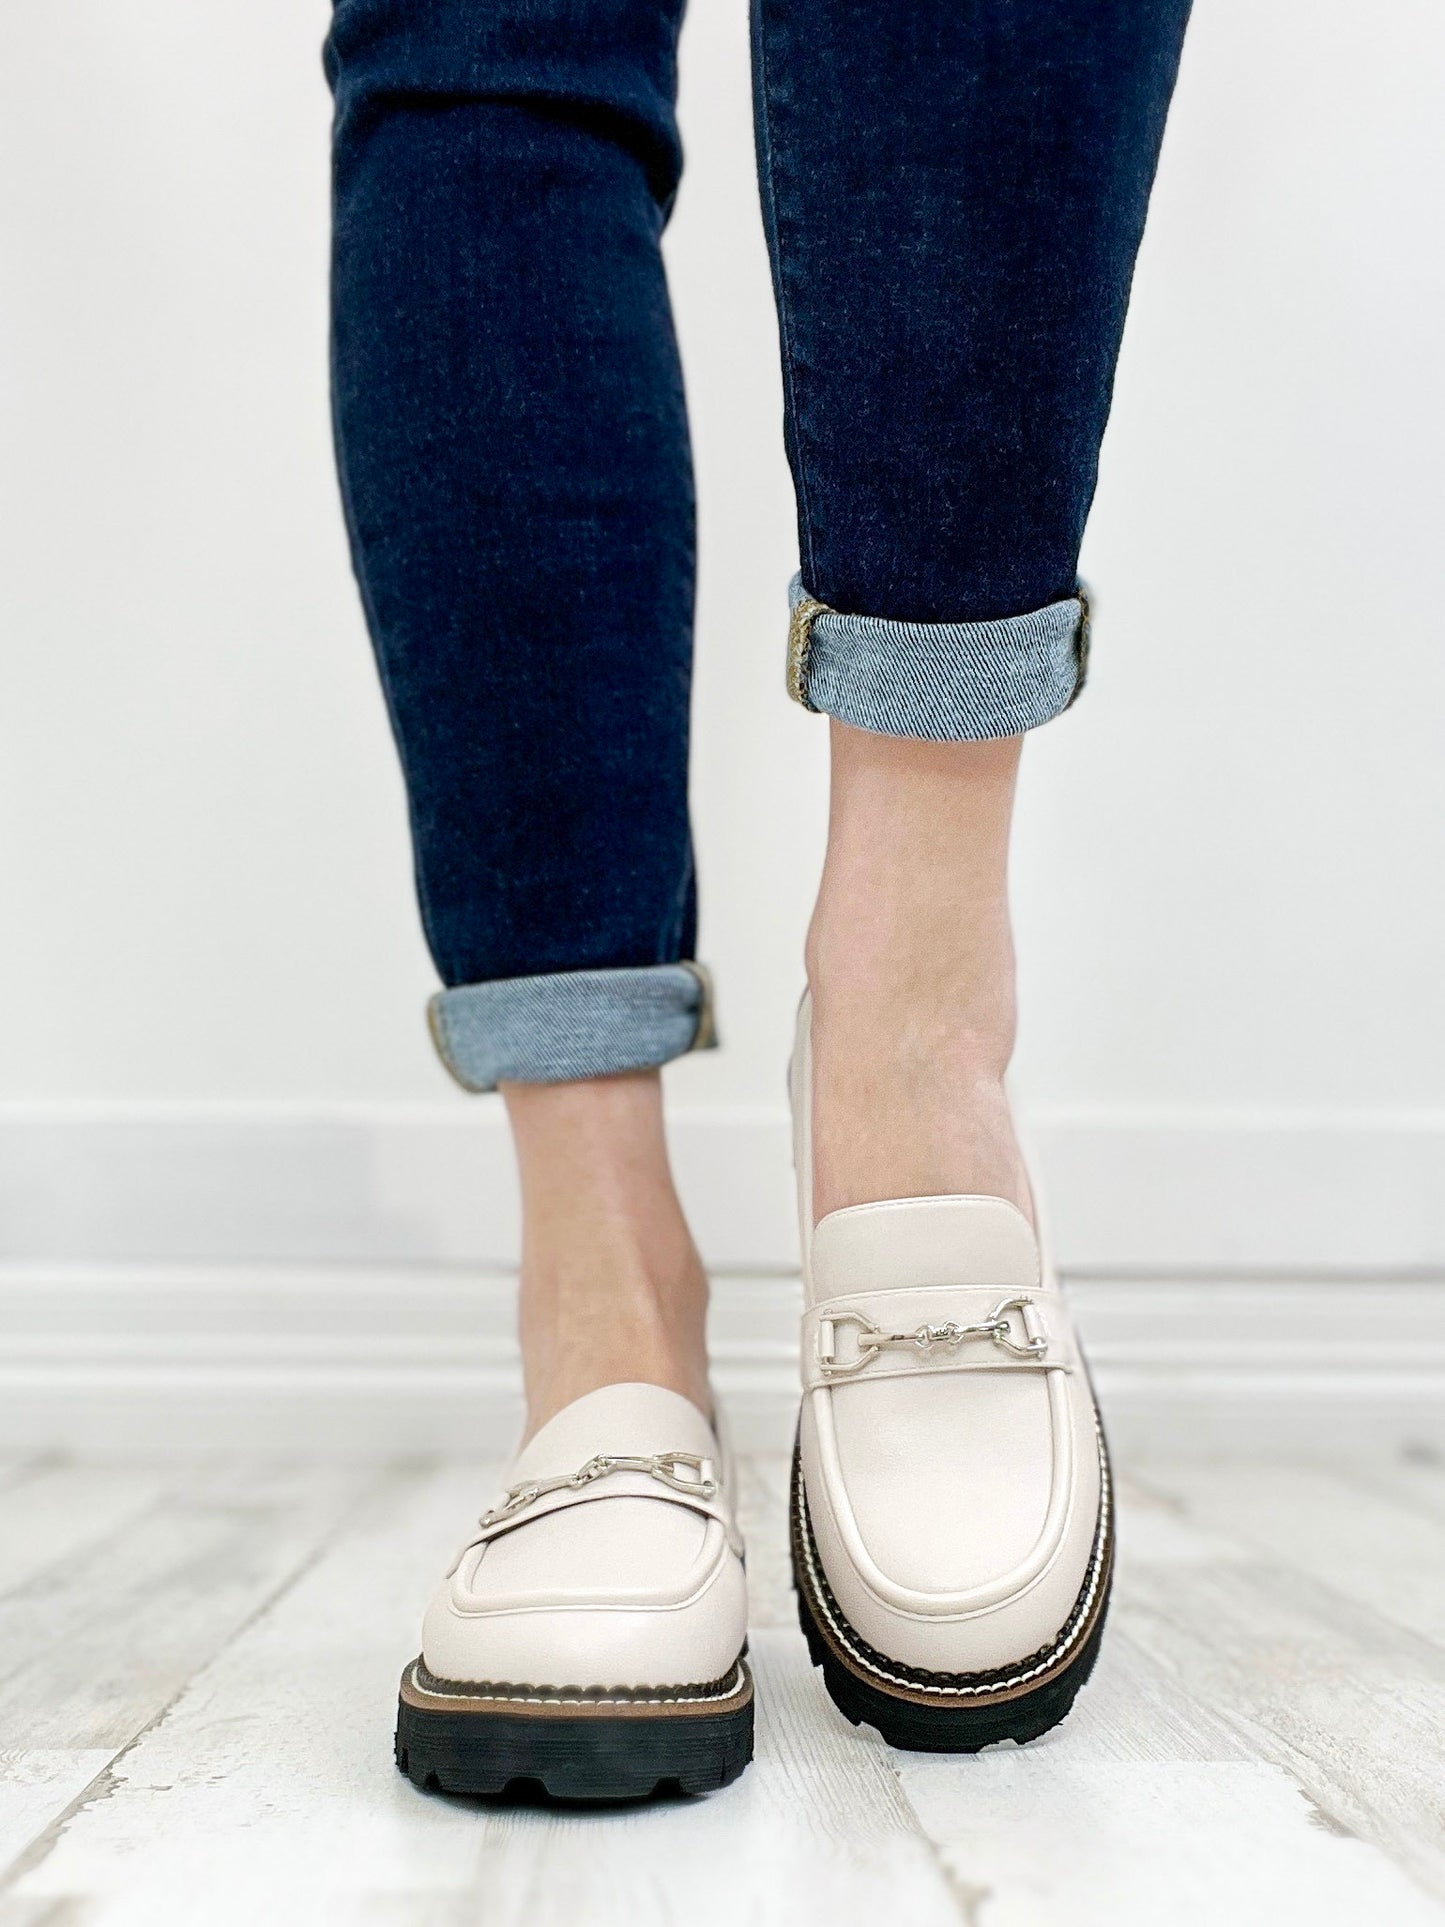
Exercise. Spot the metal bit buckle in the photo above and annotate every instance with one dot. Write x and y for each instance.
(668, 1468)
(872, 1339)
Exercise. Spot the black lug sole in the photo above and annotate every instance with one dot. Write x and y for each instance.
(573, 1748)
(911, 1718)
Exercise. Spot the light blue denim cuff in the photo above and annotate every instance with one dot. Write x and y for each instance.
(573, 1023)
(948, 682)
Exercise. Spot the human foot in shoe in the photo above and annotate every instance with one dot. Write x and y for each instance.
(589, 1636)
(951, 1523)
(952, 1530)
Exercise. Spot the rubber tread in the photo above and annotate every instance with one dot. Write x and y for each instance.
(576, 1755)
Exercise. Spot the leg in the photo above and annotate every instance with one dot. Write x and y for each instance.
(954, 196)
(514, 465)
(954, 206)
(516, 477)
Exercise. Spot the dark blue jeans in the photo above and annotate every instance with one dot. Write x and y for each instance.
(953, 192)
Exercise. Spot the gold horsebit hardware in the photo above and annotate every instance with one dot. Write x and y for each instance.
(925, 1339)
(667, 1467)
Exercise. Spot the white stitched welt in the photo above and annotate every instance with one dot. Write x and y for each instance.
(841, 1631)
(730, 1688)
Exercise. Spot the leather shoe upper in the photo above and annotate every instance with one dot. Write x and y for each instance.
(589, 1573)
(951, 1456)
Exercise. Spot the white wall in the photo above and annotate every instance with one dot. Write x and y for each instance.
(1230, 856)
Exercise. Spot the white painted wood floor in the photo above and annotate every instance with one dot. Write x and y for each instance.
(197, 1681)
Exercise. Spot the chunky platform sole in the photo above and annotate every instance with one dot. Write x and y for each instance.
(452, 1737)
(948, 1712)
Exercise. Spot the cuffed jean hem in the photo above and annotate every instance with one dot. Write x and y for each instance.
(947, 682)
(571, 1024)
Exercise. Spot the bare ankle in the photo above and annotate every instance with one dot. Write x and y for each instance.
(612, 1288)
(911, 966)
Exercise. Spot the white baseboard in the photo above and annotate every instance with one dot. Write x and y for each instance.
(335, 1279)
(360, 1361)
(433, 1185)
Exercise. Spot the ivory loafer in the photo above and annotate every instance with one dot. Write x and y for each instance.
(589, 1637)
(952, 1531)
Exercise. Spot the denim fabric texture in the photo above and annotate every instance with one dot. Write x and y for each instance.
(515, 468)
(946, 681)
(577, 1023)
(953, 193)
